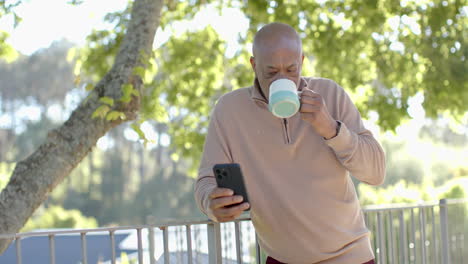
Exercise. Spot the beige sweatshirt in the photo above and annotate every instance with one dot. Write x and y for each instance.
(304, 205)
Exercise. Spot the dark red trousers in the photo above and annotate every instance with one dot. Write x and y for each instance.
(271, 260)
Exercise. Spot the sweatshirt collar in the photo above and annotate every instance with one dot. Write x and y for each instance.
(256, 93)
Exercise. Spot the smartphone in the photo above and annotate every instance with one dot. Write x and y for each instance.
(230, 176)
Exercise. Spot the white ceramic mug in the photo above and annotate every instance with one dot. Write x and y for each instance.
(283, 98)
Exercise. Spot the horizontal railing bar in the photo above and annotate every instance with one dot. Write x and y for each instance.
(396, 208)
(197, 222)
(70, 231)
(246, 217)
(456, 201)
(411, 206)
(107, 229)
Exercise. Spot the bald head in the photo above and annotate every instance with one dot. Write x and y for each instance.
(277, 54)
(276, 36)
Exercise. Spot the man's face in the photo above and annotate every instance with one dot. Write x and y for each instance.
(279, 62)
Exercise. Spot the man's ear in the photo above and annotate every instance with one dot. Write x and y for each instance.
(302, 57)
(252, 62)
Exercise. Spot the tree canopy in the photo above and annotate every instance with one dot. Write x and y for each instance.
(382, 52)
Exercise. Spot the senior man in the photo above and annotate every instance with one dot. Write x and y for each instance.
(297, 170)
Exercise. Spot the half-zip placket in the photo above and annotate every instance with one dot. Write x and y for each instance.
(284, 123)
(287, 137)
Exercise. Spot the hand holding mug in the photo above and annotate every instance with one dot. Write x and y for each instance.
(314, 111)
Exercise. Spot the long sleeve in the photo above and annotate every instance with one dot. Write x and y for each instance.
(355, 146)
(215, 151)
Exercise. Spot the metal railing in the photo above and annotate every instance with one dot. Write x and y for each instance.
(422, 233)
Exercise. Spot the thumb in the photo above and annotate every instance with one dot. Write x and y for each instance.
(302, 85)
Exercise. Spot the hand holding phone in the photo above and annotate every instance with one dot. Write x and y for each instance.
(229, 199)
(223, 205)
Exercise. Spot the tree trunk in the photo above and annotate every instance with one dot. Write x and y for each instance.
(34, 177)
(90, 175)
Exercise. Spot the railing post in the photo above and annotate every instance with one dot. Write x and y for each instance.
(166, 244)
(390, 237)
(258, 251)
(214, 243)
(444, 234)
(413, 254)
(112, 244)
(188, 230)
(84, 249)
(52, 249)
(237, 231)
(19, 259)
(422, 225)
(403, 238)
(151, 244)
(140, 246)
(381, 238)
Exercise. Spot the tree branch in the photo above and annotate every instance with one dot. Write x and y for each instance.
(65, 147)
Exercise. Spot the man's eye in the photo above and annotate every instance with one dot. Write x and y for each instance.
(271, 73)
(292, 70)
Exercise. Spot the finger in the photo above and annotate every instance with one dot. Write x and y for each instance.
(232, 211)
(311, 99)
(308, 108)
(308, 92)
(226, 201)
(230, 218)
(221, 192)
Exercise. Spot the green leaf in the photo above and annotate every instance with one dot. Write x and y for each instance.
(17, 20)
(114, 115)
(89, 86)
(75, 2)
(139, 71)
(77, 69)
(107, 100)
(7, 52)
(127, 88)
(71, 54)
(138, 130)
(101, 111)
(126, 99)
(128, 91)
